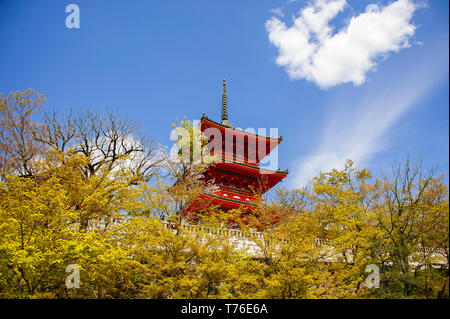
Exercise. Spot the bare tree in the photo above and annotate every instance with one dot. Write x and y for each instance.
(112, 146)
(18, 148)
(104, 140)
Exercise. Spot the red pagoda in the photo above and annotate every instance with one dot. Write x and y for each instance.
(240, 179)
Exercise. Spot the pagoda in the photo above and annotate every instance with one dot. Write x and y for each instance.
(240, 180)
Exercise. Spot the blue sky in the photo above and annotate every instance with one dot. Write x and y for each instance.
(351, 90)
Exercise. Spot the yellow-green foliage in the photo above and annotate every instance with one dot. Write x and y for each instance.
(113, 225)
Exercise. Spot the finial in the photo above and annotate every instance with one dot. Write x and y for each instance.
(225, 106)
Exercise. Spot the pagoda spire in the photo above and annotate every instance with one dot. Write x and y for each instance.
(225, 106)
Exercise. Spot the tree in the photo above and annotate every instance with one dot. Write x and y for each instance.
(185, 164)
(110, 142)
(87, 190)
(183, 264)
(413, 216)
(18, 148)
(41, 219)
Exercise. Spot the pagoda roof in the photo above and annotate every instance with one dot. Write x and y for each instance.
(252, 172)
(258, 168)
(220, 200)
(230, 199)
(204, 117)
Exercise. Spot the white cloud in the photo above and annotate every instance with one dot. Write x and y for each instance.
(362, 128)
(310, 50)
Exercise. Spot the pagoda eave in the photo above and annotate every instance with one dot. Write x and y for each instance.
(270, 178)
(223, 202)
(219, 125)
